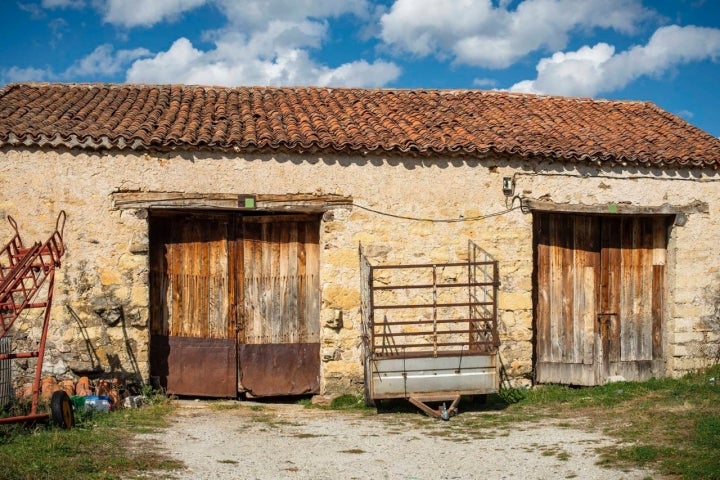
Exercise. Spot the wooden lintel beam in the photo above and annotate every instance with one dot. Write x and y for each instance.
(305, 203)
(612, 208)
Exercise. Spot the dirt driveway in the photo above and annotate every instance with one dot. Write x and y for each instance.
(245, 440)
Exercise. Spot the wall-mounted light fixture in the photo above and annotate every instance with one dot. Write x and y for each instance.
(508, 186)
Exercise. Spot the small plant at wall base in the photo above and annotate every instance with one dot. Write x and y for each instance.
(511, 395)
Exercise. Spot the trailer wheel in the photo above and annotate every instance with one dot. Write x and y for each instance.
(61, 411)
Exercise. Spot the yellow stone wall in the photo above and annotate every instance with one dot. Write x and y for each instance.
(105, 271)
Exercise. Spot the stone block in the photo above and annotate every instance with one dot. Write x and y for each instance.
(343, 258)
(514, 300)
(687, 337)
(335, 296)
(109, 276)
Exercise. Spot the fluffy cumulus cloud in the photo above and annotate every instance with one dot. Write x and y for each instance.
(102, 62)
(592, 70)
(63, 3)
(250, 14)
(265, 43)
(29, 74)
(483, 33)
(256, 14)
(144, 13)
(237, 62)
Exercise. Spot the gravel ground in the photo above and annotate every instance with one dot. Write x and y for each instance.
(270, 441)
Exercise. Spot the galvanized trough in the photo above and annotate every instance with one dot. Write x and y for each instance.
(430, 331)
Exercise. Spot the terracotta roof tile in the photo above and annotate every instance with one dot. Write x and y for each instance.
(415, 122)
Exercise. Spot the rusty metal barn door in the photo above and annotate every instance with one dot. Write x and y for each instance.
(600, 284)
(279, 341)
(192, 319)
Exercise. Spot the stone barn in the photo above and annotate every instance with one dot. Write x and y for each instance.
(216, 236)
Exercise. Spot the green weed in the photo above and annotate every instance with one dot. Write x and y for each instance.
(100, 447)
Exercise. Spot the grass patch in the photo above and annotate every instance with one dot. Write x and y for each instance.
(222, 406)
(101, 446)
(348, 402)
(670, 425)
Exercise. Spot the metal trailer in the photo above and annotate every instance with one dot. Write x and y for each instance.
(430, 331)
(27, 276)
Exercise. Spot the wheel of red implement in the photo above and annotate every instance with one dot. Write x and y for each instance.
(61, 411)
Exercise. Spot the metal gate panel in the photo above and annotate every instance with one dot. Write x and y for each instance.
(270, 370)
(195, 366)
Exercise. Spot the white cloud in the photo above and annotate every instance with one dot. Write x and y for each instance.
(591, 70)
(476, 32)
(265, 43)
(63, 3)
(101, 62)
(249, 14)
(484, 82)
(104, 61)
(144, 13)
(30, 74)
(236, 61)
(256, 14)
(358, 74)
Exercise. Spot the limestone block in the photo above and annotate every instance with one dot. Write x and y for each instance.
(109, 276)
(343, 258)
(514, 300)
(139, 243)
(687, 337)
(681, 350)
(364, 238)
(139, 295)
(335, 296)
(121, 292)
(685, 324)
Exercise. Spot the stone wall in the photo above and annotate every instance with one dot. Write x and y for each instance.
(100, 313)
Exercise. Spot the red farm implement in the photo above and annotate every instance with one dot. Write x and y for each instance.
(27, 276)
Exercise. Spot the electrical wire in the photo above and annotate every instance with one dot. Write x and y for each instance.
(446, 220)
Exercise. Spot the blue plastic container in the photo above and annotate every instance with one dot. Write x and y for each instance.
(98, 403)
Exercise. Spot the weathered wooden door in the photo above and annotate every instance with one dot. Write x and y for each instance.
(232, 293)
(192, 320)
(279, 350)
(600, 285)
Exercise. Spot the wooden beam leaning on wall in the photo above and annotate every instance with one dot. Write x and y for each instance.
(299, 202)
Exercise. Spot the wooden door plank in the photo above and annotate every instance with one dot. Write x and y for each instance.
(542, 311)
(311, 318)
(660, 228)
(585, 272)
(658, 294)
(645, 273)
(235, 279)
(628, 322)
(556, 293)
(292, 284)
(569, 275)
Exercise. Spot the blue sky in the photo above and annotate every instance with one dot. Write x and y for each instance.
(664, 51)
